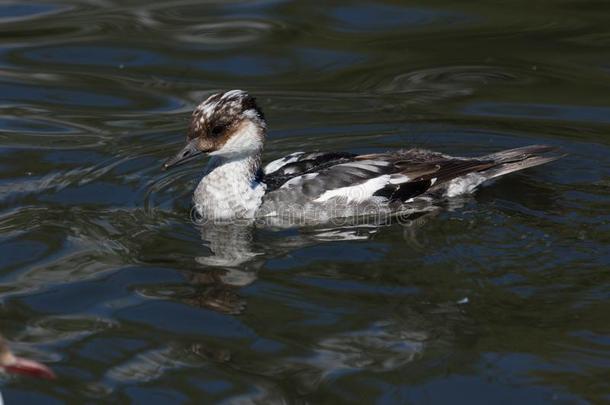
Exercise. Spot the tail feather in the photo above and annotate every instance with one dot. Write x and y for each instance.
(513, 160)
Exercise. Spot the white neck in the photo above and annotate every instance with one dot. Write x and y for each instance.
(247, 139)
(230, 187)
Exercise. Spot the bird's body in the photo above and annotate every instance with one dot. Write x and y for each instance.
(323, 185)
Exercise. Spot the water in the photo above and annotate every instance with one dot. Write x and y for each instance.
(499, 297)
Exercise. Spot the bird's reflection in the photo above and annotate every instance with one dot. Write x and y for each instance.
(235, 253)
(231, 245)
(235, 257)
(216, 288)
(211, 291)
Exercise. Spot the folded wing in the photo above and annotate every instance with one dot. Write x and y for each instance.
(394, 177)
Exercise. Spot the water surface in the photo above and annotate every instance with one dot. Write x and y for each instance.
(502, 296)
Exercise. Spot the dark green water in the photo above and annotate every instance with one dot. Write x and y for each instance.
(502, 298)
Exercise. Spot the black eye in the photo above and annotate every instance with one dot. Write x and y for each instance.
(217, 130)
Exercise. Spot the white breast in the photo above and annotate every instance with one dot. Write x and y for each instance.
(228, 190)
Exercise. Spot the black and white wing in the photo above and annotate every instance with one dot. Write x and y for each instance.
(278, 172)
(394, 177)
(398, 176)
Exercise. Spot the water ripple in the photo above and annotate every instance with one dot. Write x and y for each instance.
(380, 17)
(231, 32)
(13, 12)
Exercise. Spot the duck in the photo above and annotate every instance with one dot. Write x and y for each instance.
(231, 129)
(11, 364)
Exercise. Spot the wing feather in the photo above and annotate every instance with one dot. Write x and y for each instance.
(395, 176)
